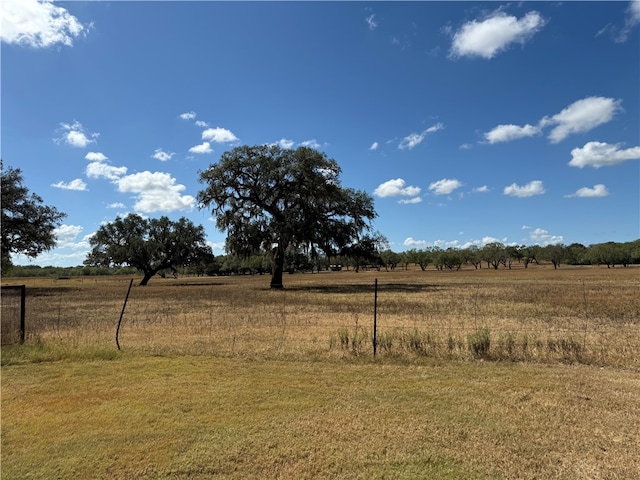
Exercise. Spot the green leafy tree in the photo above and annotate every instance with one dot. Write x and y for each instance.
(28, 226)
(494, 254)
(269, 198)
(150, 245)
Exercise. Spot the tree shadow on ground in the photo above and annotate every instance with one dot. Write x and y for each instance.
(345, 288)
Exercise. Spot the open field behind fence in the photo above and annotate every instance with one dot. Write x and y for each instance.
(586, 315)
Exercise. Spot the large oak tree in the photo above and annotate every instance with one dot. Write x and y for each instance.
(150, 245)
(28, 226)
(266, 197)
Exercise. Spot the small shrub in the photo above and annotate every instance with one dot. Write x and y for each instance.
(479, 342)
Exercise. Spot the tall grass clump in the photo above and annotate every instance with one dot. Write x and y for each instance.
(479, 342)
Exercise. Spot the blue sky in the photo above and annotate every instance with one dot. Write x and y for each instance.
(469, 122)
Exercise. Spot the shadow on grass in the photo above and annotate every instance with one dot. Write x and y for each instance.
(345, 288)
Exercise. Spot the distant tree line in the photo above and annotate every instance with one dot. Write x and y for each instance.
(369, 255)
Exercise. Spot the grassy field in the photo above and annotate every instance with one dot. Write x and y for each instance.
(479, 374)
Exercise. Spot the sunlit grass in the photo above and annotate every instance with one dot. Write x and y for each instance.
(197, 417)
(586, 315)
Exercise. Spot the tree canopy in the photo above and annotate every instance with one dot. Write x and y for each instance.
(150, 245)
(28, 226)
(266, 197)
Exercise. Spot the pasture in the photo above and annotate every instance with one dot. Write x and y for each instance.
(478, 374)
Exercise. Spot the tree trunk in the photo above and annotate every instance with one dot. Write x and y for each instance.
(146, 278)
(278, 267)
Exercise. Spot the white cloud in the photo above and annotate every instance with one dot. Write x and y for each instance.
(155, 192)
(75, 136)
(542, 237)
(116, 205)
(374, 146)
(217, 246)
(219, 135)
(188, 115)
(204, 147)
(200, 123)
(445, 186)
(413, 243)
(598, 190)
(632, 19)
(103, 170)
(532, 188)
(581, 116)
(96, 156)
(371, 21)
(482, 189)
(494, 34)
(409, 201)
(66, 234)
(395, 188)
(506, 133)
(37, 24)
(599, 154)
(311, 143)
(75, 184)
(284, 143)
(465, 146)
(414, 139)
(161, 155)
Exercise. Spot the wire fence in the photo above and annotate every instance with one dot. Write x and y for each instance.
(592, 320)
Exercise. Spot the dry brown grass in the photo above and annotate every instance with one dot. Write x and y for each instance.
(586, 315)
(221, 377)
(147, 417)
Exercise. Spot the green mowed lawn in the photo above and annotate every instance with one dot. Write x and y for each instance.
(142, 416)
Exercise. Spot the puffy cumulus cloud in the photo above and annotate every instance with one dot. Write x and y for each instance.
(411, 242)
(506, 133)
(414, 139)
(104, 170)
(395, 188)
(311, 143)
(219, 135)
(161, 155)
(187, 115)
(410, 201)
(204, 147)
(541, 236)
(66, 234)
(581, 116)
(155, 192)
(599, 154)
(494, 34)
(75, 184)
(445, 186)
(96, 157)
(200, 123)
(284, 143)
(38, 24)
(532, 188)
(598, 190)
(116, 205)
(482, 189)
(374, 146)
(73, 134)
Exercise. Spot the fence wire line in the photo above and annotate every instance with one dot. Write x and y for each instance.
(285, 318)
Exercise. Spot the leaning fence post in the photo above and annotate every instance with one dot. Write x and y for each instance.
(122, 314)
(375, 316)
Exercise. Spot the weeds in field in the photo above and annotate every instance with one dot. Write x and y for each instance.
(582, 315)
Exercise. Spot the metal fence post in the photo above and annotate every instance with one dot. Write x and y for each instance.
(375, 317)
